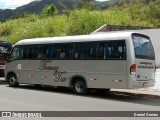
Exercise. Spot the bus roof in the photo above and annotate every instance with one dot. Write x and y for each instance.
(78, 38)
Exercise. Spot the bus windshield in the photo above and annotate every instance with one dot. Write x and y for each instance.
(143, 47)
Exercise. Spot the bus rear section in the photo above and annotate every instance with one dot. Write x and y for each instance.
(142, 67)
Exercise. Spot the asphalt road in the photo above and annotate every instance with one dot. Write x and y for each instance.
(30, 98)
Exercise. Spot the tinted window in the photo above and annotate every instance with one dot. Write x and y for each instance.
(86, 50)
(67, 51)
(63, 51)
(101, 50)
(112, 50)
(40, 52)
(143, 47)
(19, 52)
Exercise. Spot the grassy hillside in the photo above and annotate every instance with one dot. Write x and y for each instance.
(75, 23)
(37, 6)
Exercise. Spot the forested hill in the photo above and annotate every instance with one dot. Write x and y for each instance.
(37, 6)
(83, 19)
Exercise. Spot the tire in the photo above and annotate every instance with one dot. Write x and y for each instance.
(79, 87)
(12, 80)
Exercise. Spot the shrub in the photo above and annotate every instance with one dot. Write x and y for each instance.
(5, 30)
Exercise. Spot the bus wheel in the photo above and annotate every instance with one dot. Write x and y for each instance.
(79, 87)
(12, 80)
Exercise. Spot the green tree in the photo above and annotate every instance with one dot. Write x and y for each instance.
(124, 3)
(65, 10)
(153, 13)
(137, 9)
(85, 4)
(49, 10)
(146, 11)
(21, 15)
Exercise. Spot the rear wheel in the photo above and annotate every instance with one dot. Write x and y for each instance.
(79, 87)
(12, 80)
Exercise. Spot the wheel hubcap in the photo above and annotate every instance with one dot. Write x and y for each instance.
(79, 86)
(12, 80)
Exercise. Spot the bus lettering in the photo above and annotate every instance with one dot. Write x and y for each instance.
(45, 67)
(58, 76)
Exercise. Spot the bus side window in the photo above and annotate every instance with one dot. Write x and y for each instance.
(33, 54)
(30, 52)
(82, 50)
(57, 51)
(77, 50)
(18, 53)
(106, 51)
(37, 52)
(115, 50)
(49, 51)
(15, 53)
(101, 50)
(23, 52)
(41, 53)
(123, 50)
(93, 50)
(69, 50)
(62, 53)
(82, 53)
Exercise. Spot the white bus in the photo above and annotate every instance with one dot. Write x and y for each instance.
(122, 60)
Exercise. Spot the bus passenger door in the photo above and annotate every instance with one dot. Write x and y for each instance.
(18, 64)
(22, 71)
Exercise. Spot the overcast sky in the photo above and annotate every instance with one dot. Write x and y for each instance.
(12, 4)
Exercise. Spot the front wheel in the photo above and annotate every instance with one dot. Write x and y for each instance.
(79, 87)
(12, 80)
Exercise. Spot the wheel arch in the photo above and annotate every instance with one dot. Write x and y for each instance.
(10, 73)
(12, 79)
(75, 77)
